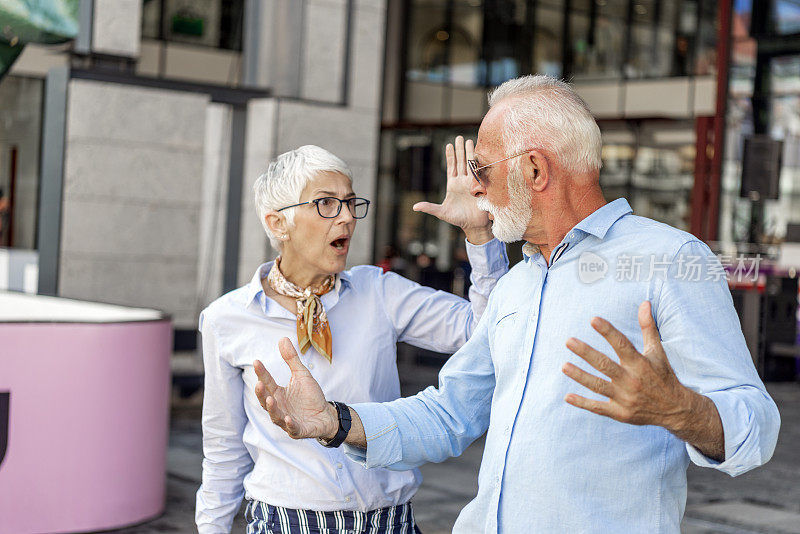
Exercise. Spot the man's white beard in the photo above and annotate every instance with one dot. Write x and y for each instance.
(510, 222)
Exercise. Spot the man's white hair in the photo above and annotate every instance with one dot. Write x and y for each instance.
(544, 112)
(285, 179)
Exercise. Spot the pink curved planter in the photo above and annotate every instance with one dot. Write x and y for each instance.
(87, 425)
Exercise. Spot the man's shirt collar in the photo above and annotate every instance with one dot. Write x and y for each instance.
(601, 220)
(598, 223)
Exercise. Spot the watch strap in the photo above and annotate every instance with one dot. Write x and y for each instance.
(345, 420)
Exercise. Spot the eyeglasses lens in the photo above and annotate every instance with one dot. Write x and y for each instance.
(330, 207)
(473, 167)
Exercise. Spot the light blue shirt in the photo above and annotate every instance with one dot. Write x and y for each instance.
(548, 466)
(368, 312)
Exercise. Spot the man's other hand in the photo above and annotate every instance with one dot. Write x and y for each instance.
(644, 389)
(299, 408)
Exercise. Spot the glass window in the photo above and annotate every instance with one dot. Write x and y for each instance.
(548, 36)
(685, 38)
(663, 172)
(507, 39)
(668, 48)
(428, 34)
(643, 54)
(598, 38)
(705, 62)
(785, 125)
(619, 149)
(743, 50)
(20, 135)
(213, 23)
(465, 38)
(786, 16)
(652, 165)
(482, 43)
(663, 36)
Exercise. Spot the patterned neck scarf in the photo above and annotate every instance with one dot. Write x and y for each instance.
(312, 321)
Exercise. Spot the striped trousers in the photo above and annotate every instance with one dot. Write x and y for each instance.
(263, 518)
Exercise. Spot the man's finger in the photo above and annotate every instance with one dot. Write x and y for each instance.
(650, 333)
(469, 146)
(291, 427)
(461, 158)
(264, 377)
(621, 344)
(588, 380)
(275, 413)
(429, 208)
(450, 157)
(594, 406)
(290, 355)
(595, 358)
(261, 394)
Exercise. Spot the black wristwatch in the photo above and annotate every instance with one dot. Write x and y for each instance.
(343, 412)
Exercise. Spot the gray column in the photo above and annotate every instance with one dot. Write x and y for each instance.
(52, 169)
(234, 211)
(287, 57)
(83, 41)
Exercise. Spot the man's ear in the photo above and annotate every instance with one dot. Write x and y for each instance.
(536, 168)
(277, 224)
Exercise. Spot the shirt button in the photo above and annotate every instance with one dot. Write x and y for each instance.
(497, 480)
(572, 235)
(347, 499)
(508, 430)
(310, 365)
(339, 465)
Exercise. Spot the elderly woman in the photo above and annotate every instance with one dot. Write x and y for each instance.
(345, 324)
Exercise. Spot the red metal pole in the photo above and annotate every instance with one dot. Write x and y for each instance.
(723, 63)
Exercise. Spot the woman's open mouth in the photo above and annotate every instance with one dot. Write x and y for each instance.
(341, 243)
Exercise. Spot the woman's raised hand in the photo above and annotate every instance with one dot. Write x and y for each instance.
(459, 207)
(299, 408)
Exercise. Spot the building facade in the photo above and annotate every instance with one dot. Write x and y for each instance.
(129, 154)
(647, 69)
(133, 150)
(671, 83)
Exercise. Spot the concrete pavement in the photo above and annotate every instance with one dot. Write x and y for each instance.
(766, 500)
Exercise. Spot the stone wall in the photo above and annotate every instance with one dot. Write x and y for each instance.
(132, 197)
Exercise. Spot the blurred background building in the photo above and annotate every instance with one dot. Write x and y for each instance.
(127, 153)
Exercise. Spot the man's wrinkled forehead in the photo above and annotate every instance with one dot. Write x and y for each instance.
(490, 133)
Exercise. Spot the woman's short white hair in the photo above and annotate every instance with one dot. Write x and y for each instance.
(287, 176)
(547, 113)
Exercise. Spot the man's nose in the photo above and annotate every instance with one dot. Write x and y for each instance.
(476, 189)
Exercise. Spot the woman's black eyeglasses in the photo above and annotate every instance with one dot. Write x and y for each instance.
(330, 207)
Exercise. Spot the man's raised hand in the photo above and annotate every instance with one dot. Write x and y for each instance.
(459, 207)
(299, 408)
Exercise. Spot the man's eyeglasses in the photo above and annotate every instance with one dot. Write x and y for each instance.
(330, 207)
(476, 170)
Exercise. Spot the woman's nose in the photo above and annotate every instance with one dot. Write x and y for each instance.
(344, 215)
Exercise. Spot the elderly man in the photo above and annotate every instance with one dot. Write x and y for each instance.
(591, 422)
